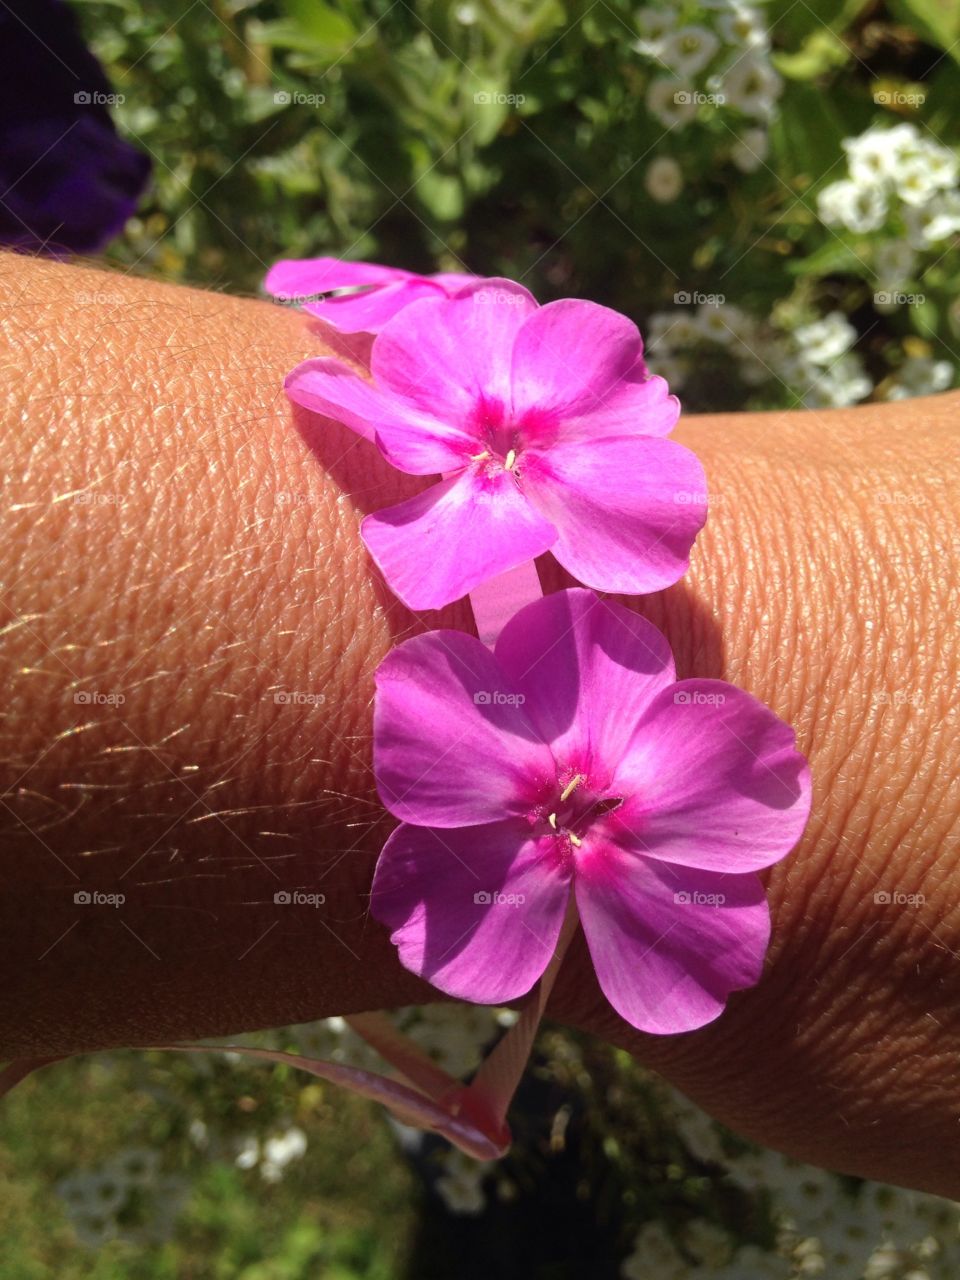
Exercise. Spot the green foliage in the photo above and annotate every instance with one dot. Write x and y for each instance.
(515, 137)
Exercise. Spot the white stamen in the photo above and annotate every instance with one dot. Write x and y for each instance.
(571, 787)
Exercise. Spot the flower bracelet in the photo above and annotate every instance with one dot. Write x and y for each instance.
(550, 772)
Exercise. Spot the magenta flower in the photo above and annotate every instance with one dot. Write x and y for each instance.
(571, 760)
(546, 425)
(369, 295)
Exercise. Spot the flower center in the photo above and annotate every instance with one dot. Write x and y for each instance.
(577, 808)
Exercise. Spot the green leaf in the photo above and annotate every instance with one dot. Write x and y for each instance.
(821, 52)
(321, 23)
(836, 257)
(806, 136)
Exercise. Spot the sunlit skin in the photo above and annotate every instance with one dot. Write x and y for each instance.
(181, 581)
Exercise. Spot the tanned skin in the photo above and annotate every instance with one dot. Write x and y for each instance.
(177, 536)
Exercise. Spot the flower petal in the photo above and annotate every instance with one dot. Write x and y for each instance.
(639, 404)
(449, 354)
(410, 439)
(452, 744)
(588, 669)
(437, 546)
(714, 781)
(303, 277)
(426, 890)
(669, 944)
(627, 509)
(370, 311)
(570, 354)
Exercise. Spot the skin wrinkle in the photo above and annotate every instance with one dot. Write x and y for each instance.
(200, 796)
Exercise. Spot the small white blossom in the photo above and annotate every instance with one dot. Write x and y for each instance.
(752, 86)
(672, 101)
(824, 340)
(460, 1186)
(663, 179)
(935, 221)
(921, 376)
(688, 50)
(654, 1254)
(894, 261)
(744, 28)
(859, 208)
(750, 150)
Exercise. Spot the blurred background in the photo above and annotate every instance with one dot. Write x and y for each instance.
(771, 192)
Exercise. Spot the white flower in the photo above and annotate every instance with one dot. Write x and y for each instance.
(824, 340)
(894, 261)
(284, 1147)
(844, 383)
(921, 376)
(752, 86)
(744, 28)
(654, 1254)
(654, 23)
(699, 1133)
(672, 102)
(455, 1035)
(707, 1242)
(719, 324)
(859, 208)
(916, 182)
(689, 49)
(875, 155)
(248, 1153)
(750, 150)
(663, 179)
(460, 1186)
(936, 221)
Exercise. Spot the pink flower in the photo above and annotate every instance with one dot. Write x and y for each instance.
(547, 427)
(571, 760)
(371, 294)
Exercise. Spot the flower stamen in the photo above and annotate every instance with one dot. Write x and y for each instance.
(552, 819)
(509, 460)
(571, 786)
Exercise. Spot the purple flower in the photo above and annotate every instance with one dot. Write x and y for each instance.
(68, 182)
(368, 295)
(571, 760)
(547, 427)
